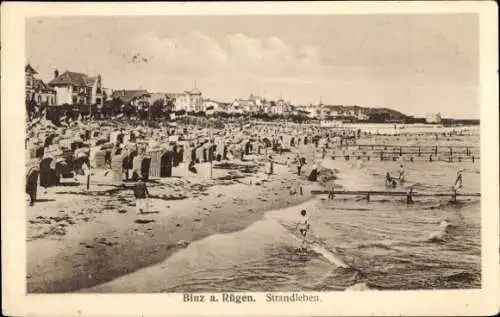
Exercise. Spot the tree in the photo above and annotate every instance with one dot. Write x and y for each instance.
(170, 105)
(157, 109)
(30, 108)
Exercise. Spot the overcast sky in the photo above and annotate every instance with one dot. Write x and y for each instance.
(412, 63)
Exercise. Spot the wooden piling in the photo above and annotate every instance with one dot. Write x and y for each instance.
(454, 196)
(409, 199)
(391, 193)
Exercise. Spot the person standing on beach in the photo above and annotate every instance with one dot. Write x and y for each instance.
(31, 186)
(141, 194)
(86, 172)
(271, 166)
(313, 177)
(299, 164)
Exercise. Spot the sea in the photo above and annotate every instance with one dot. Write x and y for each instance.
(386, 243)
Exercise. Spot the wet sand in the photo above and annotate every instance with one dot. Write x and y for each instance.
(79, 239)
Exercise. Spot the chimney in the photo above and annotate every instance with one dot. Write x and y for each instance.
(56, 73)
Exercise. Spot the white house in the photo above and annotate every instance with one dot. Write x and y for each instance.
(77, 88)
(362, 116)
(36, 90)
(244, 105)
(433, 118)
(190, 100)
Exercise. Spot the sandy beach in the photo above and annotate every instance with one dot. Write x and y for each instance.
(79, 239)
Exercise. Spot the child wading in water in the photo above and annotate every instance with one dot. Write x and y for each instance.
(457, 186)
(303, 227)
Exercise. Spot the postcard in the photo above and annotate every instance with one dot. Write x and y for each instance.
(250, 159)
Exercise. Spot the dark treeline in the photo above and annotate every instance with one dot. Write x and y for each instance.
(159, 111)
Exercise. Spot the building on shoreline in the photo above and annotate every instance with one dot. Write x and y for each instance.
(36, 91)
(138, 99)
(243, 106)
(74, 88)
(433, 118)
(189, 101)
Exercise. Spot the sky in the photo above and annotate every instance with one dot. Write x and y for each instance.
(416, 64)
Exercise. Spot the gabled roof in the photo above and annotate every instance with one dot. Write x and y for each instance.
(30, 70)
(224, 106)
(40, 85)
(70, 78)
(211, 100)
(90, 81)
(173, 95)
(195, 91)
(127, 96)
(244, 102)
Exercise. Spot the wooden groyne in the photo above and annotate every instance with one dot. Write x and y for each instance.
(412, 153)
(408, 194)
(421, 149)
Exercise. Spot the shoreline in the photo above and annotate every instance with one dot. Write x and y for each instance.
(112, 243)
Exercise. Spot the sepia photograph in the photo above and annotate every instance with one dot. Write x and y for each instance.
(291, 155)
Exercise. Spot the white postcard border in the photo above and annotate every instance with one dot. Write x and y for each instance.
(459, 302)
